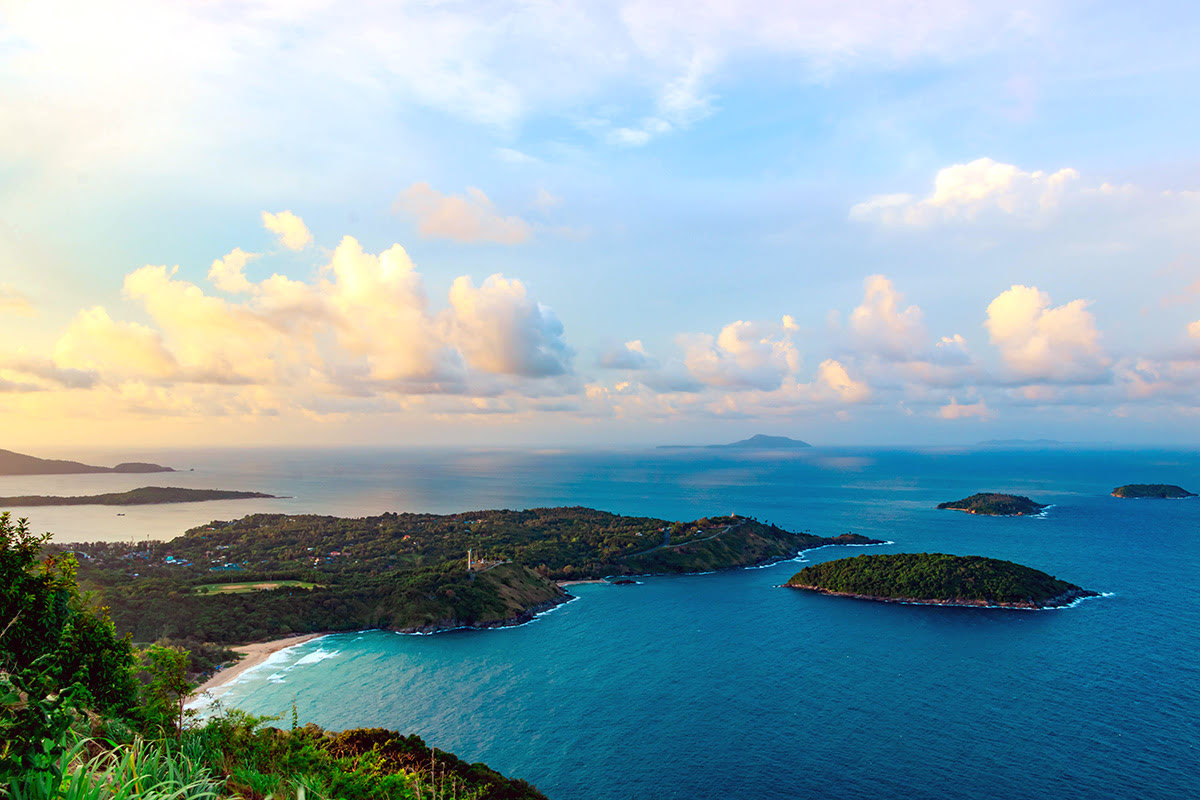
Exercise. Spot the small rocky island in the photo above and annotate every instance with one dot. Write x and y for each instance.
(995, 505)
(1157, 491)
(759, 441)
(146, 495)
(938, 579)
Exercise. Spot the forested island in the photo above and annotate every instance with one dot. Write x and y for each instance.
(995, 505)
(146, 495)
(405, 572)
(1156, 491)
(20, 464)
(939, 579)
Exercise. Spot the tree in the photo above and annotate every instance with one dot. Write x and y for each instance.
(166, 687)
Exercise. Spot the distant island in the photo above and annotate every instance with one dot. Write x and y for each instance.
(147, 495)
(1018, 442)
(1158, 491)
(938, 579)
(995, 505)
(20, 464)
(402, 572)
(756, 442)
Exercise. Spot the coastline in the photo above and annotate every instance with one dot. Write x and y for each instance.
(1064, 600)
(253, 655)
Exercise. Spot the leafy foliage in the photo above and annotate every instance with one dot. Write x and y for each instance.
(996, 505)
(1158, 491)
(935, 577)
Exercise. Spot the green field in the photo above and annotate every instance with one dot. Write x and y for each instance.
(253, 586)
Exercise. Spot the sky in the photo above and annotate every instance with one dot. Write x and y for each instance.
(576, 223)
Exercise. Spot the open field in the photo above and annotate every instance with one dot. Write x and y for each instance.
(252, 586)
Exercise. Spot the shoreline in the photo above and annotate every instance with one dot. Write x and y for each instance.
(1064, 600)
(252, 655)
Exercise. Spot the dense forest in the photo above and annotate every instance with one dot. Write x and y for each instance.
(937, 577)
(995, 505)
(397, 571)
(85, 714)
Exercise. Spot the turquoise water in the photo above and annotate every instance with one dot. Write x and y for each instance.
(724, 685)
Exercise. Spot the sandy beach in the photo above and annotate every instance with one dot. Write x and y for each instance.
(253, 655)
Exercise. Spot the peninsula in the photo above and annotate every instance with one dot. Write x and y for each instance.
(995, 505)
(938, 579)
(20, 464)
(757, 442)
(146, 495)
(1157, 491)
(402, 572)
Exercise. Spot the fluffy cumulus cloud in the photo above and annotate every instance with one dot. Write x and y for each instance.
(632, 355)
(743, 355)
(464, 218)
(291, 230)
(834, 382)
(980, 188)
(363, 328)
(957, 410)
(1040, 342)
(882, 324)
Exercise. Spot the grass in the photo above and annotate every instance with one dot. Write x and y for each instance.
(254, 586)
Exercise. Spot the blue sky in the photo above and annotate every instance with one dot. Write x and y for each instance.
(879, 222)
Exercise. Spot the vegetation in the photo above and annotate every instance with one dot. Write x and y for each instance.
(1159, 491)
(83, 715)
(146, 495)
(397, 571)
(20, 464)
(938, 578)
(996, 505)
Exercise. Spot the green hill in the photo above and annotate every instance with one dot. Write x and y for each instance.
(938, 578)
(995, 505)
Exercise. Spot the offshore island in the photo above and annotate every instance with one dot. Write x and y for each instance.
(146, 495)
(995, 505)
(938, 579)
(1156, 491)
(20, 464)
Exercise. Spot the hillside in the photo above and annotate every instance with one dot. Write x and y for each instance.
(402, 571)
(940, 579)
(757, 442)
(1156, 491)
(995, 505)
(146, 495)
(20, 464)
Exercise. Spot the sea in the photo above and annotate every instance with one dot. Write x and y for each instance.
(725, 685)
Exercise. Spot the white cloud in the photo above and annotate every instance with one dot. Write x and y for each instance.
(631, 356)
(956, 410)
(291, 230)
(1042, 343)
(228, 273)
(834, 382)
(500, 330)
(744, 355)
(882, 325)
(95, 342)
(966, 192)
(469, 218)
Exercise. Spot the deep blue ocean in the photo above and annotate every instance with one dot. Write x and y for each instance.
(725, 686)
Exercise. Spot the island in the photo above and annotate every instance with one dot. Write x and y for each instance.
(146, 495)
(20, 464)
(757, 442)
(938, 579)
(415, 573)
(995, 505)
(1157, 491)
